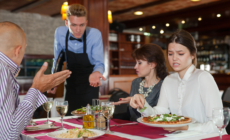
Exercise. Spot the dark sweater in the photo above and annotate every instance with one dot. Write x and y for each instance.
(152, 98)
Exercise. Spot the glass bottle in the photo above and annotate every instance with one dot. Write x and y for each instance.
(101, 123)
(88, 119)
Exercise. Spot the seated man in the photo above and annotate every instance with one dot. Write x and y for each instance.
(15, 116)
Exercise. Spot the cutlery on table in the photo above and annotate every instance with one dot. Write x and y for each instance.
(120, 125)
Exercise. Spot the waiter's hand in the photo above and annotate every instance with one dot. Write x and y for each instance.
(44, 82)
(52, 91)
(94, 79)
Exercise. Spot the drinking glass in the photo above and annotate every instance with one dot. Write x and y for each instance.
(95, 109)
(220, 117)
(62, 108)
(96, 106)
(107, 109)
(47, 107)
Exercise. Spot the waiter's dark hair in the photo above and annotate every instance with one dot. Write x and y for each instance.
(152, 53)
(184, 38)
(76, 10)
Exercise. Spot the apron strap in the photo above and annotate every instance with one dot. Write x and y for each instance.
(84, 39)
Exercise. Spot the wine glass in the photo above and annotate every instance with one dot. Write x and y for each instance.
(47, 107)
(220, 117)
(62, 108)
(107, 109)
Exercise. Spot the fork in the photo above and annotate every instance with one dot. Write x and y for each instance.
(175, 132)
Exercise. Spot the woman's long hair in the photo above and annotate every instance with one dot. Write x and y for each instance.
(152, 53)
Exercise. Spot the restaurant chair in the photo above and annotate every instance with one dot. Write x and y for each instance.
(121, 111)
(226, 103)
(53, 109)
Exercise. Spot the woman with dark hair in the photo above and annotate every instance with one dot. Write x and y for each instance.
(151, 70)
(189, 92)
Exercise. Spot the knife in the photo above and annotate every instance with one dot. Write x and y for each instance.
(133, 123)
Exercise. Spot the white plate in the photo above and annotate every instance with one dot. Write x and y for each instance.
(53, 134)
(41, 127)
(164, 125)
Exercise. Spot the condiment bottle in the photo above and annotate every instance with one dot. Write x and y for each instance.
(88, 119)
(100, 122)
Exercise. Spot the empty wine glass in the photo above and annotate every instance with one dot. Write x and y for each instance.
(220, 117)
(62, 108)
(47, 107)
(107, 109)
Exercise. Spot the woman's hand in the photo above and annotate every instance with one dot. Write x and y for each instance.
(123, 101)
(137, 101)
(171, 129)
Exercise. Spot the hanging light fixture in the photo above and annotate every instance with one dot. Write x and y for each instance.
(110, 19)
(63, 10)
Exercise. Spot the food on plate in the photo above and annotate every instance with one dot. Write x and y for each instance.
(77, 133)
(83, 110)
(166, 119)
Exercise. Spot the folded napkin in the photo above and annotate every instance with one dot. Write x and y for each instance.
(47, 130)
(183, 134)
(224, 137)
(103, 137)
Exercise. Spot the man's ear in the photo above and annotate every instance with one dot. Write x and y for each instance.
(66, 23)
(17, 50)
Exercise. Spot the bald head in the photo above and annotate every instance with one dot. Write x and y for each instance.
(11, 36)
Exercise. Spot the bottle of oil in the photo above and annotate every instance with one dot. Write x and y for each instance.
(88, 119)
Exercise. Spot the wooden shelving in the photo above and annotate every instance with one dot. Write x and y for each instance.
(121, 61)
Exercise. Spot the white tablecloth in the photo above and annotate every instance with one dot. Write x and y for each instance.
(57, 119)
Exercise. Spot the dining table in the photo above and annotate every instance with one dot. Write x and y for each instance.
(134, 131)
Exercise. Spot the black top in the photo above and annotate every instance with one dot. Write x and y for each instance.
(152, 98)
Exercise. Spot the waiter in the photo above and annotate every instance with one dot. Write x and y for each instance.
(84, 53)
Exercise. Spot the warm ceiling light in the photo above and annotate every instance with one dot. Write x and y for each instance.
(218, 15)
(167, 24)
(110, 19)
(64, 7)
(153, 27)
(161, 31)
(138, 13)
(183, 22)
(195, 0)
(64, 16)
(140, 29)
(199, 18)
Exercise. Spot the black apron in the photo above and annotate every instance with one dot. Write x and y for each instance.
(78, 91)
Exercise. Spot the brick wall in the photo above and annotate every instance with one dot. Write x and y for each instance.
(39, 30)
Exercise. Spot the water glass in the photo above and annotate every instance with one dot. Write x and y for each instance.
(220, 117)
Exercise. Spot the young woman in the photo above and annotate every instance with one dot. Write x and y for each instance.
(189, 92)
(151, 70)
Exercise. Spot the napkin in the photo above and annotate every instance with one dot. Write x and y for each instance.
(185, 134)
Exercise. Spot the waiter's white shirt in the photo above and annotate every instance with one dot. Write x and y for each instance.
(194, 96)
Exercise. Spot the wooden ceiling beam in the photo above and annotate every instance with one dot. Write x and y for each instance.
(184, 13)
(215, 25)
(140, 7)
(29, 5)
